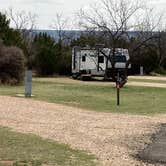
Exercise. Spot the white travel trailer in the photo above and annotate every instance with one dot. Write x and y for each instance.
(89, 62)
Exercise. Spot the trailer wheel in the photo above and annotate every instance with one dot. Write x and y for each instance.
(86, 77)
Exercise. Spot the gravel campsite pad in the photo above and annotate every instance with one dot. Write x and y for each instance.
(114, 138)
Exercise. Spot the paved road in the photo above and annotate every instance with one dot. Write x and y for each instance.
(156, 151)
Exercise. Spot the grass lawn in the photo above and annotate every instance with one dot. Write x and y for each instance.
(102, 98)
(21, 149)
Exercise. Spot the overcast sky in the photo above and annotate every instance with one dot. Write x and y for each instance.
(47, 9)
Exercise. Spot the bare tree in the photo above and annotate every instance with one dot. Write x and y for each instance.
(59, 24)
(112, 18)
(22, 20)
(25, 23)
(62, 24)
(149, 24)
(149, 34)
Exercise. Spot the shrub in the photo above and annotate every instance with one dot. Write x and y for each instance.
(161, 71)
(12, 65)
(46, 55)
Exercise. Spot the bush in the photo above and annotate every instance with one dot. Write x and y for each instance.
(12, 65)
(64, 64)
(161, 71)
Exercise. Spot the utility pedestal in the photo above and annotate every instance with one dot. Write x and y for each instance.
(28, 83)
(141, 70)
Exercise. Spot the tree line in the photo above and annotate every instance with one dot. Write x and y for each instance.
(109, 23)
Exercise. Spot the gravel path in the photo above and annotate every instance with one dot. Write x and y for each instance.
(159, 78)
(113, 138)
(146, 84)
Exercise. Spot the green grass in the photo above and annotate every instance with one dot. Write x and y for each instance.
(134, 100)
(23, 149)
(148, 80)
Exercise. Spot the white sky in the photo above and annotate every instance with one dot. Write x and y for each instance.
(47, 9)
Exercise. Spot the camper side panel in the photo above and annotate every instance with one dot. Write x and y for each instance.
(88, 60)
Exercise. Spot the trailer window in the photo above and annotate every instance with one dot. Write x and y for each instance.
(120, 58)
(83, 58)
(101, 59)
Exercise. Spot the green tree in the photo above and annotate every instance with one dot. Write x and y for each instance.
(65, 58)
(9, 36)
(11, 58)
(4, 24)
(87, 39)
(46, 56)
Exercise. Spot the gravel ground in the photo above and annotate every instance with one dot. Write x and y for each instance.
(113, 138)
(160, 78)
(146, 84)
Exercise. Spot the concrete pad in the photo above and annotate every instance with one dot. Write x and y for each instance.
(23, 95)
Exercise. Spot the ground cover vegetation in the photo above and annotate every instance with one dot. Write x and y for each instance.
(18, 149)
(96, 97)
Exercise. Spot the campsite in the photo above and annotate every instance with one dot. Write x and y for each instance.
(82, 83)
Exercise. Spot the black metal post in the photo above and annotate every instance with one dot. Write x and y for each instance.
(118, 90)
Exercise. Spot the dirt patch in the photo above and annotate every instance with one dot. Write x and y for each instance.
(113, 138)
(161, 78)
(7, 162)
(146, 84)
(102, 83)
(68, 80)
